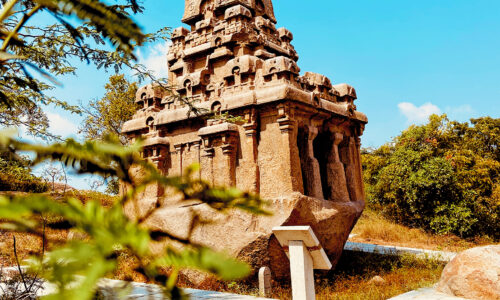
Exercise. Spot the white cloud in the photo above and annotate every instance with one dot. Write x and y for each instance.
(156, 59)
(462, 109)
(61, 126)
(460, 113)
(420, 114)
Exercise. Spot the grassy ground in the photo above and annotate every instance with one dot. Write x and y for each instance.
(373, 228)
(28, 244)
(351, 278)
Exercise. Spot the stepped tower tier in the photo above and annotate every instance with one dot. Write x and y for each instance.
(299, 145)
(196, 10)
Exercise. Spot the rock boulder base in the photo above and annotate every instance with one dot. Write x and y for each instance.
(473, 274)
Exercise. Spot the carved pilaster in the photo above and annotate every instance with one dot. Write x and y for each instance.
(220, 148)
(356, 148)
(208, 150)
(178, 151)
(352, 170)
(290, 163)
(229, 149)
(251, 150)
(310, 166)
(336, 178)
(206, 160)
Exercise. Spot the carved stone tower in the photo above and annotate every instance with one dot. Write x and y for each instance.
(299, 146)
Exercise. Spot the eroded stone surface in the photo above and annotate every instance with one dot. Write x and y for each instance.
(299, 146)
(473, 274)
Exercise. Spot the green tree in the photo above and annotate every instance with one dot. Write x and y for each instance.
(52, 50)
(15, 174)
(442, 176)
(106, 116)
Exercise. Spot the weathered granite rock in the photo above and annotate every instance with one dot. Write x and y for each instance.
(473, 274)
(299, 146)
(250, 237)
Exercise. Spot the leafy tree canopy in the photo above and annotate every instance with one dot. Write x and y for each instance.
(15, 174)
(443, 176)
(106, 116)
(51, 50)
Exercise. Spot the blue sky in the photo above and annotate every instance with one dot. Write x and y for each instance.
(406, 59)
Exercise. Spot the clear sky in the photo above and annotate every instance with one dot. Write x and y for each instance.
(406, 59)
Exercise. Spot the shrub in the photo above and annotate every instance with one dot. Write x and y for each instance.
(15, 175)
(442, 176)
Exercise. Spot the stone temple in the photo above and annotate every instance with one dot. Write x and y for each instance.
(299, 146)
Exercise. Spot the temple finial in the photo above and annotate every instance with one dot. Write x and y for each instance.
(196, 10)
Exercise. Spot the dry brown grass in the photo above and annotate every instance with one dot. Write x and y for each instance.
(374, 228)
(397, 282)
(29, 244)
(351, 278)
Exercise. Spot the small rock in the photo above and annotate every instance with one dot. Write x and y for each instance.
(377, 280)
(473, 274)
(74, 235)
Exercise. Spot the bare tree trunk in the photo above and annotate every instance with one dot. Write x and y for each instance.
(65, 178)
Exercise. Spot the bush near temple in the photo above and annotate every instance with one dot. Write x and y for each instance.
(15, 175)
(443, 176)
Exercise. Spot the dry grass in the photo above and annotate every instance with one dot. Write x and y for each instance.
(351, 278)
(29, 244)
(397, 282)
(374, 228)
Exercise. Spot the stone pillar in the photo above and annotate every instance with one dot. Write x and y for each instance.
(197, 149)
(206, 161)
(178, 164)
(348, 154)
(229, 150)
(252, 143)
(335, 172)
(265, 286)
(311, 168)
(359, 169)
(291, 159)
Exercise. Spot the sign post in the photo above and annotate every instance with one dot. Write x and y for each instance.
(306, 254)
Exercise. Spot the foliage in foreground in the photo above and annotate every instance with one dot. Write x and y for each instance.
(53, 47)
(443, 176)
(109, 231)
